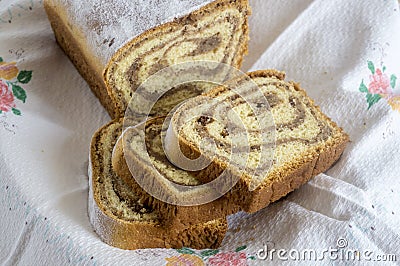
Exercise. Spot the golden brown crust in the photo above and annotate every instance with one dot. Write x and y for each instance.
(243, 48)
(141, 234)
(323, 158)
(70, 45)
(321, 162)
(130, 235)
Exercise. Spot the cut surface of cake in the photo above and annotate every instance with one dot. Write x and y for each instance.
(305, 141)
(122, 220)
(116, 45)
(150, 165)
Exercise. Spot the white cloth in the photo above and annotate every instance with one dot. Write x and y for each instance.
(324, 45)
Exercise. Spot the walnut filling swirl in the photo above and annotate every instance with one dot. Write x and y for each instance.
(199, 47)
(282, 98)
(299, 106)
(114, 193)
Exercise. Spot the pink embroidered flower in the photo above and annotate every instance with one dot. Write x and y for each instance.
(380, 83)
(228, 259)
(6, 98)
(184, 260)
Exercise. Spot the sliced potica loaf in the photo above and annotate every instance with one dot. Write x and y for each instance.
(173, 215)
(116, 45)
(118, 215)
(307, 142)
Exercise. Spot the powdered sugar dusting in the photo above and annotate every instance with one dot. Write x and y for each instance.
(107, 25)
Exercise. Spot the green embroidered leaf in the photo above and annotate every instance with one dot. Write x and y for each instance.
(16, 111)
(24, 76)
(372, 99)
(19, 92)
(393, 79)
(208, 253)
(252, 258)
(383, 68)
(1, 110)
(240, 248)
(1, 60)
(185, 251)
(363, 88)
(371, 67)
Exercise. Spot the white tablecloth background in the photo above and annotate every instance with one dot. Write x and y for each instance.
(325, 45)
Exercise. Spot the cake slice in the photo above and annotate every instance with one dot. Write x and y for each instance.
(122, 220)
(301, 141)
(153, 169)
(116, 45)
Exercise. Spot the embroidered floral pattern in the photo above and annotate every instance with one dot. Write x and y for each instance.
(210, 257)
(11, 79)
(380, 86)
(185, 260)
(228, 259)
(6, 98)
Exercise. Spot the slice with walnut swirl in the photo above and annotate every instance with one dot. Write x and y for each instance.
(302, 142)
(117, 44)
(122, 220)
